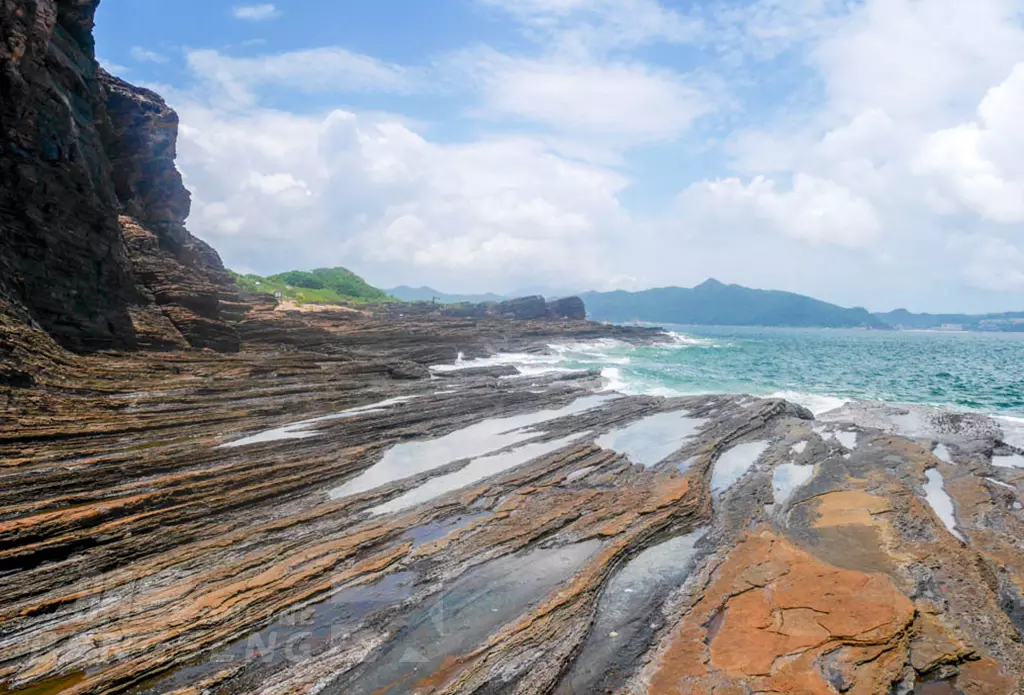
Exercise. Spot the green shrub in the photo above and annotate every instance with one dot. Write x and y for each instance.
(320, 286)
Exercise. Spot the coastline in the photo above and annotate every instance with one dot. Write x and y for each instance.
(203, 495)
(267, 490)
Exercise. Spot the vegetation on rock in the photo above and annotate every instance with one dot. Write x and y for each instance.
(319, 286)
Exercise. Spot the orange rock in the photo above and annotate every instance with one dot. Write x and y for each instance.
(933, 644)
(846, 507)
(770, 615)
(985, 677)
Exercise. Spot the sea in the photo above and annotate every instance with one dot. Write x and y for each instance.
(819, 368)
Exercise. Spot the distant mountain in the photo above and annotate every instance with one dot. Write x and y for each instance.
(426, 294)
(323, 285)
(713, 303)
(1012, 321)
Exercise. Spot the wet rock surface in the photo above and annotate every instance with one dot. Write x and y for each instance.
(350, 520)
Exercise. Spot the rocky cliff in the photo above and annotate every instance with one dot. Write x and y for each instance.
(535, 307)
(93, 248)
(177, 272)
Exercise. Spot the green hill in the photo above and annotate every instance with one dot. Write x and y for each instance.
(714, 303)
(319, 286)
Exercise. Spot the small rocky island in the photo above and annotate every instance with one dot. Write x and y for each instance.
(202, 493)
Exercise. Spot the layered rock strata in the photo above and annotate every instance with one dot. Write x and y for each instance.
(179, 273)
(93, 247)
(301, 522)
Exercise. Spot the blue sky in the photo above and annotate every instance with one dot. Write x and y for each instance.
(867, 152)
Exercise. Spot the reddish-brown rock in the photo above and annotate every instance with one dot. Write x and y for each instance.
(776, 619)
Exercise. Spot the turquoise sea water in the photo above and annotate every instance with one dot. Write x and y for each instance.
(820, 368)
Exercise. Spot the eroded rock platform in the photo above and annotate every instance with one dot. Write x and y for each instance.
(352, 522)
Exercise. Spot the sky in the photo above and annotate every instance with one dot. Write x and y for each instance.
(866, 152)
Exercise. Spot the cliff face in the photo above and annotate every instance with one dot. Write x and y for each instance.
(61, 251)
(93, 247)
(179, 273)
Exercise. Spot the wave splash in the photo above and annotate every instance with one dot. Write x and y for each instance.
(819, 369)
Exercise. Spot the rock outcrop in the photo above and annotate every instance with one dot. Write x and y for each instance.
(92, 241)
(568, 308)
(301, 522)
(180, 274)
(522, 308)
(62, 256)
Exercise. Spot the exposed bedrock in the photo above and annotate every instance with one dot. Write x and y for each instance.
(182, 275)
(61, 251)
(491, 532)
(78, 149)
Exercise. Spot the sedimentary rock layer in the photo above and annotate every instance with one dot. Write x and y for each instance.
(78, 149)
(343, 521)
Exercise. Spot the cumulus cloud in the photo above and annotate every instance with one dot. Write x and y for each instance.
(980, 164)
(819, 143)
(370, 191)
(919, 60)
(256, 13)
(918, 120)
(813, 209)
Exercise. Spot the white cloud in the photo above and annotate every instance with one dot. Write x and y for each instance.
(598, 25)
(626, 102)
(813, 209)
(371, 192)
(147, 56)
(763, 29)
(992, 264)
(981, 163)
(327, 69)
(898, 126)
(923, 60)
(256, 13)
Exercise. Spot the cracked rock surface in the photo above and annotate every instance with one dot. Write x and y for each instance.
(295, 522)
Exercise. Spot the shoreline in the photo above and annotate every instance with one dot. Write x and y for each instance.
(591, 351)
(330, 460)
